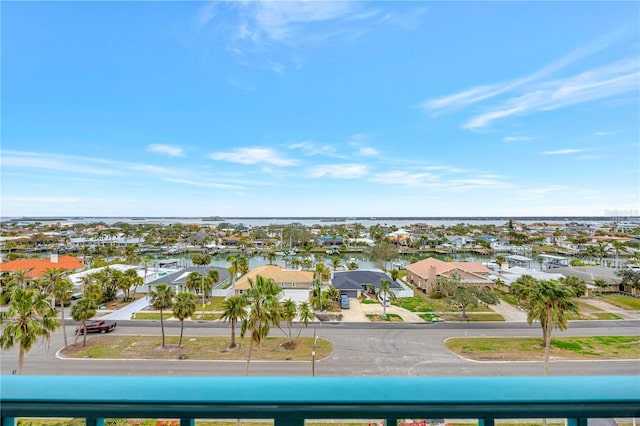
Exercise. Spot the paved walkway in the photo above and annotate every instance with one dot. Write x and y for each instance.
(509, 312)
(125, 312)
(608, 307)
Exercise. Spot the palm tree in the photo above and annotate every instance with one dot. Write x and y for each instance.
(29, 317)
(577, 286)
(20, 279)
(288, 312)
(383, 291)
(617, 248)
(500, 259)
(51, 277)
(335, 262)
(262, 299)
(271, 256)
(304, 315)
(234, 310)
(184, 306)
(62, 291)
(601, 284)
(549, 304)
(161, 298)
(83, 310)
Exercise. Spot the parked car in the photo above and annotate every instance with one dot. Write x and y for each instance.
(344, 301)
(76, 296)
(102, 326)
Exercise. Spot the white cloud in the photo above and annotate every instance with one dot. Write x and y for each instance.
(517, 138)
(564, 151)
(253, 156)
(311, 148)
(279, 20)
(401, 177)
(600, 83)
(339, 171)
(205, 14)
(204, 184)
(55, 162)
(476, 94)
(174, 151)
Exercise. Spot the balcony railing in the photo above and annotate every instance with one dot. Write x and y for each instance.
(291, 400)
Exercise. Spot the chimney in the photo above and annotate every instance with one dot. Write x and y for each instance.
(54, 257)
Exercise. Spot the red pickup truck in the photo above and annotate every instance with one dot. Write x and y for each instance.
(102, 326)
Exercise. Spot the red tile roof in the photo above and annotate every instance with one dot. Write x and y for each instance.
(36, 267)
(422, 267)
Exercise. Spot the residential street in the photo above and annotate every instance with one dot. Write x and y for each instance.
(359, 350)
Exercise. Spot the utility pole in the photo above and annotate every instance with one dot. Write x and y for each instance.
(313, 353)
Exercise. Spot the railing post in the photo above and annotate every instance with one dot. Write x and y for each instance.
(92, 421)
(580, 421)
(487, 422)
(288, 421)
(187, 422)
(9, 421)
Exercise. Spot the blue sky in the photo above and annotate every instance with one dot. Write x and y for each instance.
(320, 108)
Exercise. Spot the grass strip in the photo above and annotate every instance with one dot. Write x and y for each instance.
(199, 348)
(532, 349)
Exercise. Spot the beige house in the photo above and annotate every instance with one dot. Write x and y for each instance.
(428, 274)
(288, 279)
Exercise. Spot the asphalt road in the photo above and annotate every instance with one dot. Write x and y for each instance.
(359, 350)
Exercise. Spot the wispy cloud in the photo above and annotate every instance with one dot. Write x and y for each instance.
(568, 151)
(204, 184)
(473, 95)
(174, 151)
(517, 138)
(401, 177)
(535, 93)
(359, 141)
(311, 148)
(249, 156)
(205, 14)
(339, 171)
(57, 163)
(600, 83)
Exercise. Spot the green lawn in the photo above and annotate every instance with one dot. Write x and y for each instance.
(473, 317)
(389, 318)
(151, 315)
(625, 302)
(427, 304)
(531, 349)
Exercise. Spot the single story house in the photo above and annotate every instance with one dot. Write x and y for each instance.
(35, 268)
(353, 283)
(428, 274)
(178, 279)
(291, 279)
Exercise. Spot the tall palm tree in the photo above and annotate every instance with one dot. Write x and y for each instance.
(234, 310)
(304, 316)
(29, 317)
(62, 291)
(271, 256)
(161, 298)
(184, 307)
(618, 246)
(335, 262)
(383, 291)
(601, 284)
(288, 313)
(262, 299)
(83, 310)
(51, 277)
(577, 286)
(550, 304)
(20, 279)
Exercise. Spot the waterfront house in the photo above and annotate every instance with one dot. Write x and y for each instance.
(288, 279)
(36, 267)
(354, 283)
(428, 274)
